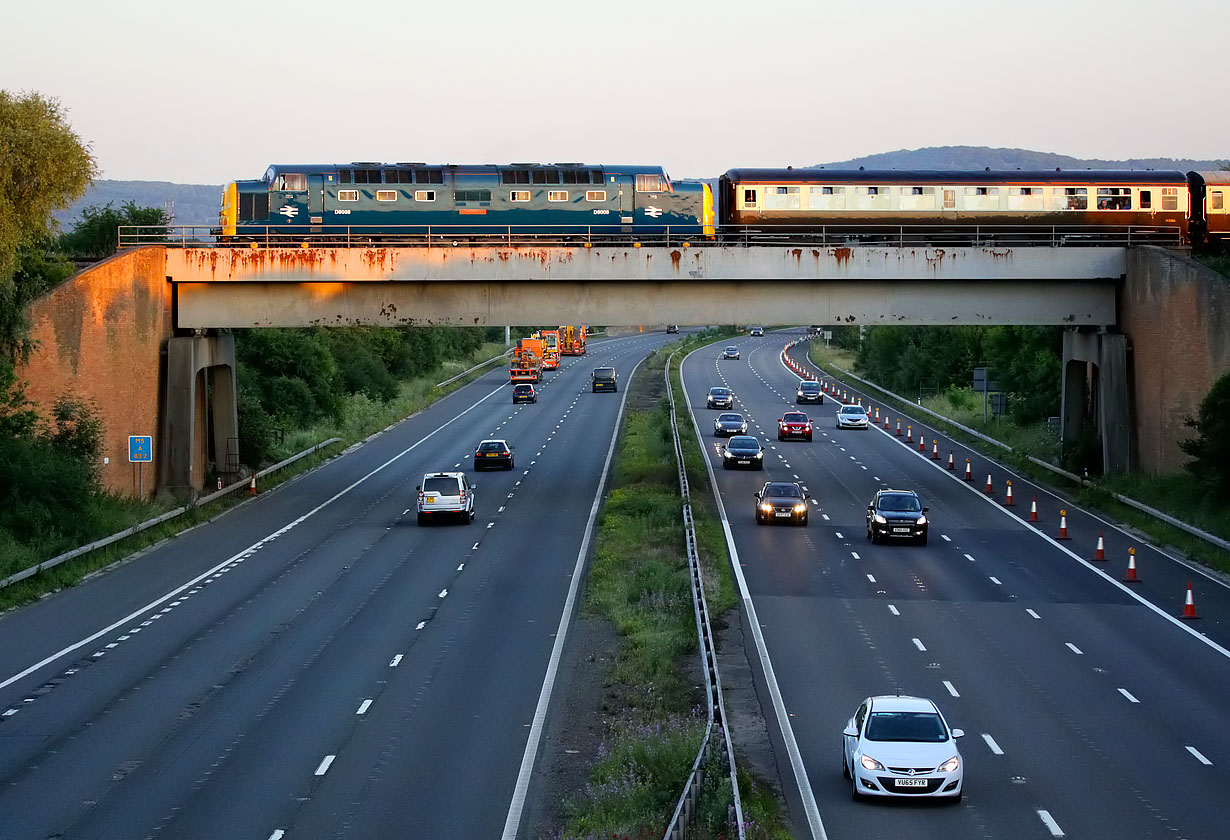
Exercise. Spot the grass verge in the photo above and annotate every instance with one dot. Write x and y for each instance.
(1175, 495)
(361, 417)
(638, 580)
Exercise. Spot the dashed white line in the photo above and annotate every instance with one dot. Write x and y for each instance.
(951, 688)
(474, 547)
(893, 610)
(970, 558)
(364, 706)
(1050, 823)
(918, 644)
(443, 593)
(396, 661)
(324, 765)
(871, 578)
(1074, 649)
(1034, 614)
(1128, 695)
(461, 566)
(995, 581)
(278, 834)
(1191, 750)
(854, 554)
(839, 536)
(945, 538)
(991, 743)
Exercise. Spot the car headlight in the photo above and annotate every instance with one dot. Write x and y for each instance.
(726, 454)
(800, 507)
(879, 519)
(870, 763)
(798, 393)
(922, 520)
(766, 507)
(950, 765)
(743, 428)
(759, 455)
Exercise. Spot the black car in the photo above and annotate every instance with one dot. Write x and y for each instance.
(493, 453)
(897, 514)
(672, 329)
(729, 423)
(524, 392)
(720, 397)
(743, 452)
(603, 379)
(809, 391)
(781, 501)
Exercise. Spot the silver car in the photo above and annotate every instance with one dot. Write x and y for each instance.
(902, 746)
(730, 352)
(853, 417)
(445, 494)
(730, 423)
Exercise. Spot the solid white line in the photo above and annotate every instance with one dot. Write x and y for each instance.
(1074, 649)
(256, 545)
(1034, 614)
(1199, 757)
(324, 765)
(918, 644)
(364, 707)
(893, 610)
(991, 743)
(1050, 823)
(1128, 695)
(517, 804)
(951, 688)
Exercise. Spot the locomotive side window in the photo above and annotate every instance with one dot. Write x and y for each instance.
(557, 195)
(368, 176)
(428, 176)
(424, 195)
(1114, 198)
(399, 176)
(515, 176)
(519, 195)
(472, 195)
(291, 182)
(595, 195)
(343, 176)
(782, 198)
(347, 195)
(651, 184)
(546, 176)
(386, 195)
(826, 198)
(1216, 203)
(572, 176)
(1170, 198)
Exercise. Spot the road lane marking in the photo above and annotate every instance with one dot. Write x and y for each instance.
(951, 688)
(1128, 695)
(995, 581)
(893, 610)
(839, 536)
(1050, 823)
(871, 578)
(396, 661)
(1074, 649)
(918, 644)
(364, 707)
(854, 554)
(1199, 757)
(945, 538)
(1034, 614)
(969, 558)
(324, 765)
(991, 743)
(278, 834)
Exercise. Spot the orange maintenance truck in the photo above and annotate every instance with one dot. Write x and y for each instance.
(550, 353)
(572, 340)
(526, 363)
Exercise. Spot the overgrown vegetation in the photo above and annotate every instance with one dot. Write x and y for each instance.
(639, 580)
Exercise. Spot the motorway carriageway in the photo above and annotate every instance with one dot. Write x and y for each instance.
(1088, 711)
(312, 663)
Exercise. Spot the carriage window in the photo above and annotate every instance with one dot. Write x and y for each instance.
(1146, 199)
(919, 198)
(347, 195)
(782, 198)
(1114, 198)
(1018, 191)
(749, 198)
(979, 191)
(546, 176)
(827, 198)
(386, 195)
(424, 195)
(872, 191)
(1170, 198)
(1217, 200)
(651, 183)
(557, 195)
(595, 195)
(519, 195)
(515, 176)
(1072, 198)
(428, 176)
(291, 182)
(950, 199)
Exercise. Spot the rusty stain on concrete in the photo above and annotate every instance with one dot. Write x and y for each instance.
(841, 255)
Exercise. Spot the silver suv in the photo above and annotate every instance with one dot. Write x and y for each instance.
(446, 494)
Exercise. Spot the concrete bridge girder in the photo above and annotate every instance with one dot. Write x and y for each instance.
(473, 286)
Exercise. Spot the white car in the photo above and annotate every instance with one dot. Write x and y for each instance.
(730, 352)
(445, 494)
(756, 332)
(853, 417)
(901, 746)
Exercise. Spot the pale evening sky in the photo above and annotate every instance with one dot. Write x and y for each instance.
(206, 93)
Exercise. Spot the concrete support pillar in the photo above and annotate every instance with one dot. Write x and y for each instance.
(1095, 390)
(183, 470)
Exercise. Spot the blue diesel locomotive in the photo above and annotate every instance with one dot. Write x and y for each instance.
(412, 203)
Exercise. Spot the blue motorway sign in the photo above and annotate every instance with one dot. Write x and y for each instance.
(140, 448)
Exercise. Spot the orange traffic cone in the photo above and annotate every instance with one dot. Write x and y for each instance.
(990, 489)
(1189, 606)
(951, 463)
(909, 434)
(1100, 552)
(1008, 502)
(898, 427)
(252, 485)
(877, 414)
(1033, 510)
(922, 442)
(1130, 577)
(935, 450)
(886, 420)
(1063, 527)
(969, 473)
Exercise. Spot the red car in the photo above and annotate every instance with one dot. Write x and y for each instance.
(794, 424)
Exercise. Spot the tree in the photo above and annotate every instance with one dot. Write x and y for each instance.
(1210, 464)
(96, 235)
(44, 166)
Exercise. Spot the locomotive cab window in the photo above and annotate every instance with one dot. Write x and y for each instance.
(291, 182)
(651, 184)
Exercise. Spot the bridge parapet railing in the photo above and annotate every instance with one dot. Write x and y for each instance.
(846, 235)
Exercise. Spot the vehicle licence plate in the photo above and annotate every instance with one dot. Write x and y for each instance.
(743, 462)
(779, 513)
(901, 530)
(909, 782)
(431, 499)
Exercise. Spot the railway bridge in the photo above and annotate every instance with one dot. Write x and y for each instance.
(150, 324)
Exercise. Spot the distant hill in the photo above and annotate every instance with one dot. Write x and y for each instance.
(191, 204)
(980, 157)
